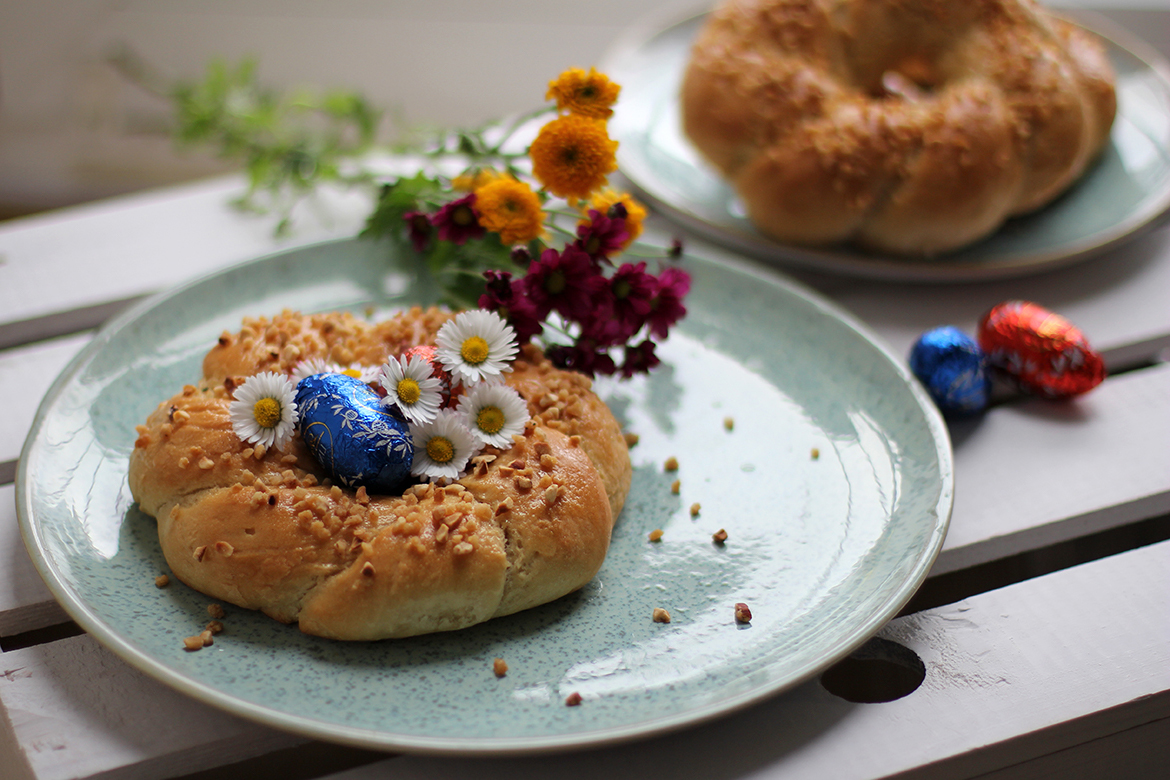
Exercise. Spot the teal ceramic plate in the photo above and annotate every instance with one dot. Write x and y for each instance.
(1127, 190)
(823, 550)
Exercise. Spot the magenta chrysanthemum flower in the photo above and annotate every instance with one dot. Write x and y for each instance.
(602, 235)
(506, 296)
(456, 221)
(666, 307)
(563, 281)
(631, 291)
(639, 359)
(420, 229)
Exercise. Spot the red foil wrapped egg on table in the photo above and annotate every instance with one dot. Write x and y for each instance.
(1042, 352)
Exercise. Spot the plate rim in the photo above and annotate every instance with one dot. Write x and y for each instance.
(882, 267)
(362, 737)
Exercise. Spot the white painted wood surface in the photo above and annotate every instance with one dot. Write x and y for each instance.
(1065, 674)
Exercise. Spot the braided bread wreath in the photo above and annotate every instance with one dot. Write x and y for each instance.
(907, 126)
(264, 529)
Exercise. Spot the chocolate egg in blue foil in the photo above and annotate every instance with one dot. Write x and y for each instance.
(359, 441)
(953, 369)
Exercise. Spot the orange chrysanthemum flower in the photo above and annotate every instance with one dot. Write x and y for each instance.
(635, 212)
(586, 94)
(572, 156)
(510, 208)
(472, 180)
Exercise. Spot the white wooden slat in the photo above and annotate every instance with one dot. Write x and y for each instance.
(25, 603)
(26, 374)
(121, 247)
(77, 711)
(1034, 473)
(1073, 658)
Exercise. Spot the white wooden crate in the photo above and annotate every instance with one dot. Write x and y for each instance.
(1065, 674)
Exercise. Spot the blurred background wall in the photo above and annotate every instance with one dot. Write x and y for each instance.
(73, 129)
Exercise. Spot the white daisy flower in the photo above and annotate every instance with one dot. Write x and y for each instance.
(312, 367)
(494, 412)
(319, 365)
(443, 446)
(411, 387)
(264, 410)
(476, 345)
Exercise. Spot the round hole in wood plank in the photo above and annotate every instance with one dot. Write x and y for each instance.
(878, 671)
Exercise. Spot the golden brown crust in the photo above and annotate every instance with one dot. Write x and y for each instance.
(265, 530)
(910, 127)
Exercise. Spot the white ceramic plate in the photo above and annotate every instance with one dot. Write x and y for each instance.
(823, 550)
(1124, 193)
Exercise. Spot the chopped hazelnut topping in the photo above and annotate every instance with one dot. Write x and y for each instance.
(660, 615)
(695, 507)
(440, 533)
(161, 581)
(656, 535)
(517, 464)
(367, 569)
(719, 537)
(523, 483)
(224, 548)
(184, 462)
(188, 389)
(574, 440)
(199, 552)
(742, 613)
(166, 429)
(362, 496)
(192, 643)
(548, 462)
(180, 415)
(216, 611)
(573, 699)
(206, 463)
(671, 464)
(499, 667)
(550, 495)
(463, 548)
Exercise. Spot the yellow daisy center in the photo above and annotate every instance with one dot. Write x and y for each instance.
(353, 372)
(475, 350)
(266, 412)
(490, 419)
(408, 391)
(440, 449)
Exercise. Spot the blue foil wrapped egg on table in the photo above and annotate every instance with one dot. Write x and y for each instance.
(350, 433)
(953, 369)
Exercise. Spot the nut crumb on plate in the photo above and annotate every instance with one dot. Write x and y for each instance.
(660, 615)
(729, 423)
(676, 486)
(656, 535)
(161, 581)
(573, 699)
(499, 667)
(216, 611)
(695, 507)
(742, 613)
(719, 537)
(671, 464)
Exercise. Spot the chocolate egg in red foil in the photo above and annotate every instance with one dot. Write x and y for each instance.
(1043, 352)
